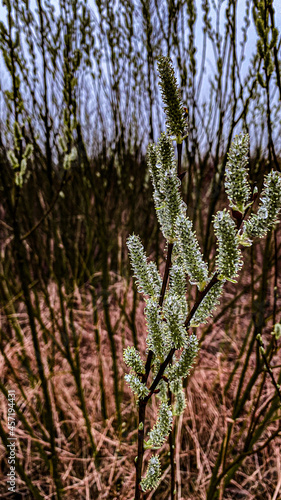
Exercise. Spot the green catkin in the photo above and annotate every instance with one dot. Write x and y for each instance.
(168, 202)
(228, 259)
(165, 156)
(175, 321)
(157, 339)
(20, 168)
(155, 276)
(152, 477)
(277, 331)
(208, 305)
(180, 403)
(154, 169)
(237, 186)
(136, 385)
(259, 224)
(133, 359)
(148, 281)
(162, 427)
(182, 367)
(178, 278)
(175, 117)
(176, 388)
(178, 285)
(190, 251)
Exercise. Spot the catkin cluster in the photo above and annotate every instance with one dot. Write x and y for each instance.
(166, 323)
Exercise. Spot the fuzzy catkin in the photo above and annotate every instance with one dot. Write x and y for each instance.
(157, 339)
(228, 259)
(182, 367)
(258, 224)
(136, 385)
(237, 185)
(175, 119)
(167, 199)
(133, 359)
(162, 427)
(175, 321)
(152, 477)
(208, 305)
(147, 276)
(190, 252)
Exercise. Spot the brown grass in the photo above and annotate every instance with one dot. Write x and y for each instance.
(199, 432)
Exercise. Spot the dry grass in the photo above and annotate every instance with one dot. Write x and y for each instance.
(198, 433)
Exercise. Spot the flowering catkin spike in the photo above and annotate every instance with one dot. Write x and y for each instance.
(175, 385)
(188, 245)
(155, 276)
(153, 473)
(157, 340)
(258, 224)
(167, 199)
(161, 158)
(167, 213)
(133, 359)
(166, 153)
(228, 260)
(178, 284)
(13, 159)
(178, 278)
(154, 168)
(173, 206)
(175, 320)
(147, 280)
(236, 174)
(162, 427)
(182, 367)
(180, 402)
(175, 117)
(208, 305)
(136, 385)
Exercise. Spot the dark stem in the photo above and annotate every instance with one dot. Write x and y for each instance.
(179, 150)
(143, 402)
(142, 408)
(45, 97)
(166, 273)
(172, 453)
(271, 148)
(161, 299)
(201, 296)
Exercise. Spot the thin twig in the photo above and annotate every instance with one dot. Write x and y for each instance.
(26, 235)
(268, 368)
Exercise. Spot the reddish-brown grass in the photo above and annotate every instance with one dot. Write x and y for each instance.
(199, 431)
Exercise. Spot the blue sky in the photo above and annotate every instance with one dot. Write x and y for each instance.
(240, 21)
